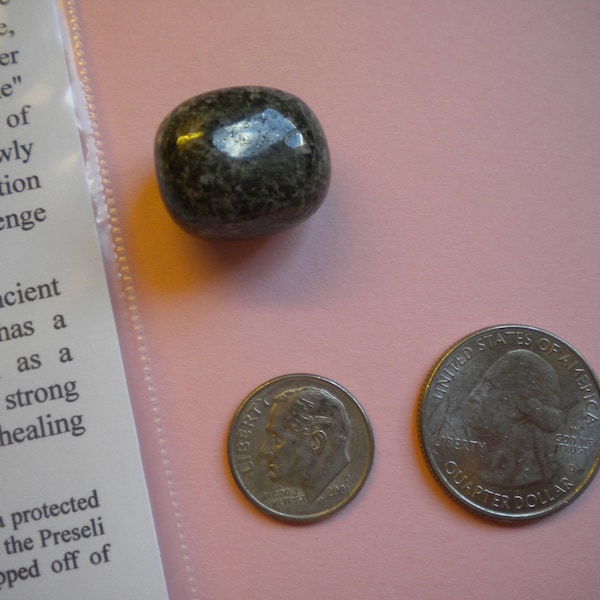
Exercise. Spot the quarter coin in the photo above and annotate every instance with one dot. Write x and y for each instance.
(300, 447)
(509, 422)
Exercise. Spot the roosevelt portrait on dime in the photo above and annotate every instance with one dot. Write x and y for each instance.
(306, 440)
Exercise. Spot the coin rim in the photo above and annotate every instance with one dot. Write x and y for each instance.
(329, 511)
(464, 502)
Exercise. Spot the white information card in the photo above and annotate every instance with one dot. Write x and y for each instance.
(75, 520)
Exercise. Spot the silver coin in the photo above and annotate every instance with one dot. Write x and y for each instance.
(509, 422)
(300, 447)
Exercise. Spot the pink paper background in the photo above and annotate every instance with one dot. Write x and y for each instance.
(465, 138)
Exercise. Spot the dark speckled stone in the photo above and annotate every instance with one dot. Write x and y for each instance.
(241, 162)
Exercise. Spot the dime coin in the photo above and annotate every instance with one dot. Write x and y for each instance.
(300, 447)
(509, 422)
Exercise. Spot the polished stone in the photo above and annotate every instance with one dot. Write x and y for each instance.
(241, 162)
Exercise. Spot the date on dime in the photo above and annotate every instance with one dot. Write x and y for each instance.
(300, 447)
(509, 422)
